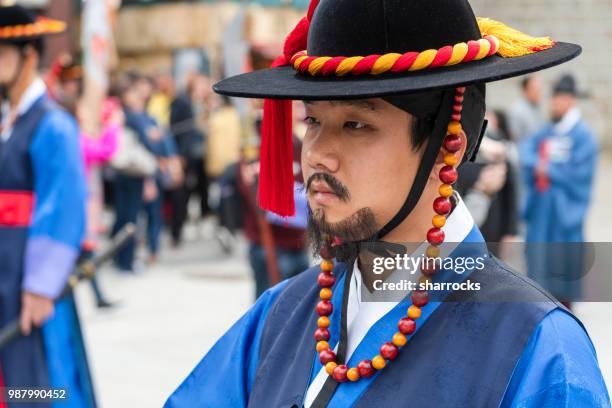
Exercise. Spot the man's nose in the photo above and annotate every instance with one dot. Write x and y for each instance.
(322, 151)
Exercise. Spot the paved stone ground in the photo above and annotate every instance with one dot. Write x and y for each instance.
(170, 315)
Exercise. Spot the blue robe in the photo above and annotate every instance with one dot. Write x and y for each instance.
(555, 217)
(507, 354)
(42, 156)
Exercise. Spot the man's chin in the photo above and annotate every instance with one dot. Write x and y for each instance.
(331, 214)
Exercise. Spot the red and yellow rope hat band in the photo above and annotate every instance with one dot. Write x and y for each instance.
(41, 26)
(497, 39)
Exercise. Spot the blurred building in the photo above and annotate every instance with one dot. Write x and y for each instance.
(586, 22)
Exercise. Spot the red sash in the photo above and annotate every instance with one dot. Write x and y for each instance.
(16, 208)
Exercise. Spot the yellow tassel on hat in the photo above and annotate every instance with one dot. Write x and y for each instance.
(513, 43)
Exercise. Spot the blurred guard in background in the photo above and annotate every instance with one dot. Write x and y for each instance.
(42, 218)
(558, 165)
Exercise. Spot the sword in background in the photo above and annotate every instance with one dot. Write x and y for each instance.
(84, 270)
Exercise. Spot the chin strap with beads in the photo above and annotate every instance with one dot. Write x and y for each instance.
(435, 236)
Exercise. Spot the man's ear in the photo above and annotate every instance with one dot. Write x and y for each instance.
(440, 158)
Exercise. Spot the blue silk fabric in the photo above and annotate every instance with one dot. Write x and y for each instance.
(468, 353)
(43, 156)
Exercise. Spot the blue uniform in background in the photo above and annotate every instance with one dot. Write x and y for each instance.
(42, 219)
(555, 211)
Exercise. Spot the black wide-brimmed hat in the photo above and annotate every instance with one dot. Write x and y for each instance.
(367, 28)
(423, 56)
(20, 26)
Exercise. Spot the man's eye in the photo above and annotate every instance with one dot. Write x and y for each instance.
(309, 120)
(355, 125)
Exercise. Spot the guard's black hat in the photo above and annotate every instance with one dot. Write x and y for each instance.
(567, 85)
(19, 26)
(414, 54)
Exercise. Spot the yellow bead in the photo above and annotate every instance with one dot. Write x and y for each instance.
(327, 265)
(445, 190)
(423, 281)
(323, 321)
(450, 159)
(352, 374)
(399, 339)
(329, 367)
(432, 252)
(438, 221)
(325, 294)
(454, 128)
(379, 362)
(414, 312)
(322, 345)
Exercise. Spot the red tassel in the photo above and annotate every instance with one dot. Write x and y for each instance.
(276, 159)
(276, 150)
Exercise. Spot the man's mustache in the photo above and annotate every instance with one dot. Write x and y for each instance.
(336, 186)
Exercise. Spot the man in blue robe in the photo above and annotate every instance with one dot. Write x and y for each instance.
(559, 164)
(400, 107)
(42, 217)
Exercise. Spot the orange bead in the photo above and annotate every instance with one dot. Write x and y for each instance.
(414, 312)
(329, 367)
(327, 265)
(353, 374)
(323, 321)
(325, 294)
(399, 339)
(322, 345)
(432, 251)
(379, 362)
(454, 128)
(450, 159)
(438, 221)
(445, 190)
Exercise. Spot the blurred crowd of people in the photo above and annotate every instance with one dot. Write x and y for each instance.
(532, 182)
(161, 148)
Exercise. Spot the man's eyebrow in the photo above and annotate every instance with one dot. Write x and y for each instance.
(358, 103)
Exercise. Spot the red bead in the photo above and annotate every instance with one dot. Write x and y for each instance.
(327, 252)
(321, 334)
(442, 205)
(326, 356)
(365, 368)
(339, 373)
(406, 325)
(428, 268)
(459, 98)
(435, 236)
(456, 117)
(337, 241)
(460, 90)
(452, 143)
(326, 280)
(388, 350)
(457, 107)
(420, 298)
(324, 308)
(448, 174)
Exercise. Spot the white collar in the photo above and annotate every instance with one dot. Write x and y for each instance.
(458, 225)
(569, 120)
(34, 91)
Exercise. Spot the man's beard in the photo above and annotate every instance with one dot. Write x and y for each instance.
(360, 226)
